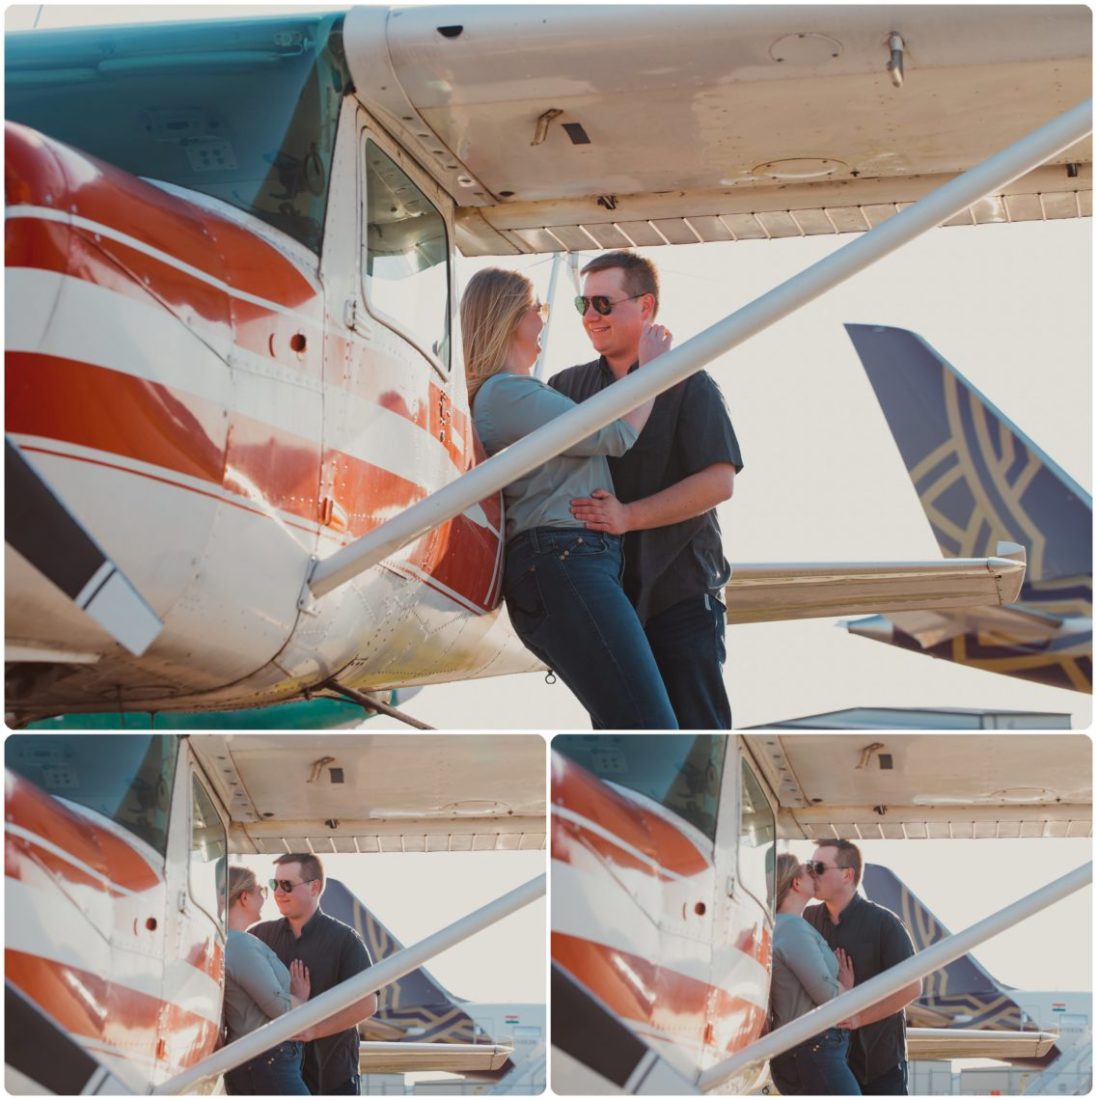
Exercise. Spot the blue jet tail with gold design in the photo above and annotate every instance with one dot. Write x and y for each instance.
(980, 479)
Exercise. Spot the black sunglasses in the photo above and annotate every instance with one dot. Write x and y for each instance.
(286, 886)
(602, 305)
(820, 868)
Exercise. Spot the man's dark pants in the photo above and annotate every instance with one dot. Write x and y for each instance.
(892, 1083)
(687, 640)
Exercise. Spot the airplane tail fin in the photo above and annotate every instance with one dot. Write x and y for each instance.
(979, 478)
(417, 1007)
(962, 994)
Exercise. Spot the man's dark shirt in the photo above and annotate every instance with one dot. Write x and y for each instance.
(333, 952)
(689, 430)
(876, 940)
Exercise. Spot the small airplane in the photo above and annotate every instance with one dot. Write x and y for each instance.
(115, 848)
(977, 475)
(663, 851)
(230, 315)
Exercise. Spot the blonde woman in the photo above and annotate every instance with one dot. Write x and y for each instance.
(259, 988)
(562, 582)
(806, 973)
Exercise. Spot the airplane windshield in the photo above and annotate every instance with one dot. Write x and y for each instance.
(126, 778)
(681, 773)
(245, 111)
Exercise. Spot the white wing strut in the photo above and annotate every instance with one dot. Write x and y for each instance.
(521, 457)
(890, 981)
(353, 989)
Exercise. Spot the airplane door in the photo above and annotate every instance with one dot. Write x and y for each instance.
(396, 424)
(746, 854)
(194, 964)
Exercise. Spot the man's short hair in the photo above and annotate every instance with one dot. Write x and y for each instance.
(311, 867)
(640, 274)
(846, 854)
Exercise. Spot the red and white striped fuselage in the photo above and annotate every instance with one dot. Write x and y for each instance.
(184, 377)
(654, 917)
(120, 945)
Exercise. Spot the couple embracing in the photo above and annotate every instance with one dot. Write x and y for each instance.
(614, 570)
(821, 950)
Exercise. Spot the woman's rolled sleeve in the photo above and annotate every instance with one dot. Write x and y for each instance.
(511, 406)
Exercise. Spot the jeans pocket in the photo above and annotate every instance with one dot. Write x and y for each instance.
(589, 544)
(523, 597)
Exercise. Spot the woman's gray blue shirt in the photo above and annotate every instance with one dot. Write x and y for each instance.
(510, 406)
(256, 984)
(805, 970)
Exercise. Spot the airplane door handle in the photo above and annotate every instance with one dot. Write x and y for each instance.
(354, 318)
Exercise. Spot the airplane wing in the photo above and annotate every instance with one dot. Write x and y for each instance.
(378, 792)
(721, 122)
(1006, 1046)
(766, 593)
(872, 788)
(379, 1057)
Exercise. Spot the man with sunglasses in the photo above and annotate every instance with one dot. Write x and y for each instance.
(332, 952)
(875, 939)
(664, 494)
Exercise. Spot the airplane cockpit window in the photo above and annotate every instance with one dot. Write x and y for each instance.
(126, 779)
(681, 773)
(244, 111)
(405, 256)
(757, 838)
(208, 853)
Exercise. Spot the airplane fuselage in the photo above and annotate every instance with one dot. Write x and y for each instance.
(665, 920)
(112, 924)
(220, 405)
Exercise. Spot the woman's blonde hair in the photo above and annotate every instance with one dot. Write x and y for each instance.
(241, 880)
(491, 309)
(789, 869)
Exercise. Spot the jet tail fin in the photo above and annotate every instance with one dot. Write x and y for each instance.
(979, 478)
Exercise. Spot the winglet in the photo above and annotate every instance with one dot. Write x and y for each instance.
(1010, 560)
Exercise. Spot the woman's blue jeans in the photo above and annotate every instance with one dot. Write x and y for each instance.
(275, 1072)
(564, 596)
(817, 1067)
